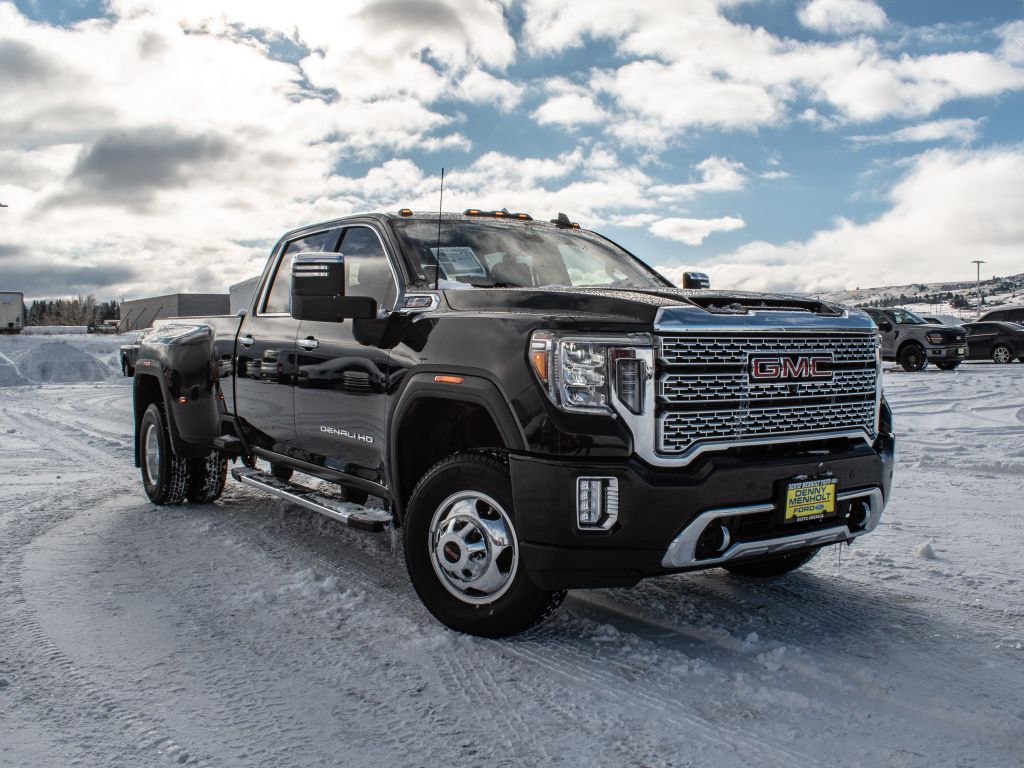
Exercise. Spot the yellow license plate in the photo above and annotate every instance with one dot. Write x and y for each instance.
(810, 500)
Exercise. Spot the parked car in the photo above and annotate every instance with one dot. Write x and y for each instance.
(1013, 313)
(537, 408)
(913, 342)
(129, 354)
(999, 342)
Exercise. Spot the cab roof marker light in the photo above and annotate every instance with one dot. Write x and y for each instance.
(405, 212)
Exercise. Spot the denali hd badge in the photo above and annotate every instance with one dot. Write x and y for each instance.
(790, 367)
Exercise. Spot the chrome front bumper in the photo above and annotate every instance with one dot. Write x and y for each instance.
(681, 552)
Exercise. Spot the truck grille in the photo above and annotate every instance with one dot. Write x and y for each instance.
(706, 397)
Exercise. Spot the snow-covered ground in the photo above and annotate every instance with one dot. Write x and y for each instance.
(251, 633)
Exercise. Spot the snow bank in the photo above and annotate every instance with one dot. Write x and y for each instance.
(9, 376)
(54, 330)
(58, 362)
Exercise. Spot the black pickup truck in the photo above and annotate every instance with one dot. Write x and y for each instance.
(535, 408)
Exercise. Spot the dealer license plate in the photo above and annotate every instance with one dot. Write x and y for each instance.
(810, 500)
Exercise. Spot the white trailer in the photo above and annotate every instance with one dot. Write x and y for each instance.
(12, 307)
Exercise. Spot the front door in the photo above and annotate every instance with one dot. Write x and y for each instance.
(266, 353)
(342, 377)
(980, 340)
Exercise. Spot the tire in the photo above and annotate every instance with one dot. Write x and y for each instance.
(913, 358)
(281, 472)
(206, 478)
(462, 508)
(1001, 354)
(164, 475)
(773, 566)
(949, 366)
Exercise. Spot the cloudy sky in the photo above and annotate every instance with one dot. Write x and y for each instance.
(148, 147)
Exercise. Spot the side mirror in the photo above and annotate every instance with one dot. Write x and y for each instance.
(696, 280)
(318, 290)
(884, 325)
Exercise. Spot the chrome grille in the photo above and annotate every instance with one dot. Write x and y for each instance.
(706, 398)
(709, 387)
(733, 350)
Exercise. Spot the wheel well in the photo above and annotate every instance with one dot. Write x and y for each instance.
(906, 344)
(433, 428)
(147, 392)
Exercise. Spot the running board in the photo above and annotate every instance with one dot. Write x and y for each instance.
(363, 518)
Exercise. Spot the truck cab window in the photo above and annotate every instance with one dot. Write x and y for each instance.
(367, 271)
(280, 286)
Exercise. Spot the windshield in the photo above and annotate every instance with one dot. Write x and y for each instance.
(906, 317)
(486, 254)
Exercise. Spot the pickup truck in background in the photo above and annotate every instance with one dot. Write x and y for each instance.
(913, 342)
(535, 408)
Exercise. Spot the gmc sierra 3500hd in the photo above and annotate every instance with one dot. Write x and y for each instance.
(537, 409)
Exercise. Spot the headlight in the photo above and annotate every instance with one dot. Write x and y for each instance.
(579, 372)
(934, 338)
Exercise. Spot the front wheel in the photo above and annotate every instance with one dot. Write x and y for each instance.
(913, 358)
(165, 476)
(949, 365)
(462, 550)
(773, 566)
(1002, 354)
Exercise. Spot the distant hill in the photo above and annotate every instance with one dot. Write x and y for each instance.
(957, 298)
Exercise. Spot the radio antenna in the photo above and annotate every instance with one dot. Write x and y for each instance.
(437, 253)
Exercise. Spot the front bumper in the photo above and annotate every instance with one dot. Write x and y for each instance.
(662, 512)
(947, 352)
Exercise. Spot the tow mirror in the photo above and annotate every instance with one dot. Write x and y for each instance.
(696, 280)
(318, 290)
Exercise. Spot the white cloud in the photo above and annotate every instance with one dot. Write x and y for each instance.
(961, 130)
(717, 174)
(842, 16)
(694, 231)
(689, 66)
(952, 206)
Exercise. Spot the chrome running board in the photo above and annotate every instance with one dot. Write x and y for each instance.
(682, 552)
(364, 518)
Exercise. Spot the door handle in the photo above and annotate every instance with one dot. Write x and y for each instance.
(308, 343)
(246, 341)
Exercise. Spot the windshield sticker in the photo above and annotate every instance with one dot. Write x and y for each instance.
(459, 261)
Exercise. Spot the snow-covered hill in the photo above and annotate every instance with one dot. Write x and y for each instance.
(959, 299)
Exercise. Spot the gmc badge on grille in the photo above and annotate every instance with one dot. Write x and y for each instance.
(790, 367)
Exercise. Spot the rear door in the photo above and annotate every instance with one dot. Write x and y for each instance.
(980, 340)
(266, 361)
(343, 375)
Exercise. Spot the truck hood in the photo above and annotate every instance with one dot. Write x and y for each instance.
(665, 308)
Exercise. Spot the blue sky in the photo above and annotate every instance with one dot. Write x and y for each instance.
(787, 144)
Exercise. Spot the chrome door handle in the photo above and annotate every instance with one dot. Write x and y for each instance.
(247, 341)
(308, 343)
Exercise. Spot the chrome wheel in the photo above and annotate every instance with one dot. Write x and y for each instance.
(1001, 355)
(152, 458)
(473, 547)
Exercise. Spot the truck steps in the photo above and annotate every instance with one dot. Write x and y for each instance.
(363, 518)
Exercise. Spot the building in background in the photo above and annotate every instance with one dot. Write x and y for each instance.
(241, 294)
(140, 313)
(12, 311)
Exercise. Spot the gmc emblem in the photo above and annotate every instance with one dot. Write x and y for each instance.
(790, 367)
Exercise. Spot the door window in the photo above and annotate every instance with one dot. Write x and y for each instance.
(367, 270)
(276, 302)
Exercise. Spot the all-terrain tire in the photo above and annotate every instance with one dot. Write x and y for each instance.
(773, 566)
(206, 478)
(482, 483)
(913, 358)
(1002, 354)
(949, 365)
(165, 476)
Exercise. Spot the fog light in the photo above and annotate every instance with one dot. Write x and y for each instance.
(597, 502)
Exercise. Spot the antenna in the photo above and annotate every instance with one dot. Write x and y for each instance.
(437, 253)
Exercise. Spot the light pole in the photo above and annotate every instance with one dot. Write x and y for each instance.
(979, 262)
